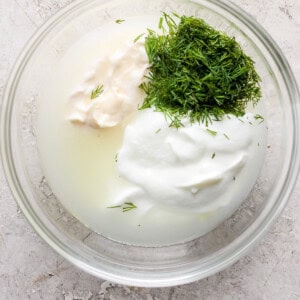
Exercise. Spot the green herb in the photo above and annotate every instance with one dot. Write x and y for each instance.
(250, 123)
(138, 37)
(212, 132)
(197, 72)
(119, 21)
(241, 120)
(116, 157)
(175, 120)
(234, 178)
(259, 117)
(97, 92)
(117, 206)
(158, 130)
(160, 23)
(127, 206)
(226, 136)
(258, 144)
(213, 156)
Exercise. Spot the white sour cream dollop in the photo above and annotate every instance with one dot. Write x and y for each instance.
(120, 74)
(195, 167)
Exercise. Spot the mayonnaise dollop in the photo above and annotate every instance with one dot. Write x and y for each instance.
(194, 168)
(120, 73)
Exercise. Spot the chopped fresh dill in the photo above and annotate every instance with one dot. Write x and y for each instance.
(160, 23)
(158, 130)
(119, 21)
(127, 206)
(259, 117)
(97, 92)
(116, 206)
(241, 120)
(213, 156)
(175, 121)
(197, 72)
(258, 144)
(116, 157)
(226, 136)
(234, 178)
(212, 132)
(250, 123)
(138, 37)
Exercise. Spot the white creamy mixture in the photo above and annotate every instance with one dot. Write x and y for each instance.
(184, 182)
(189, 168)
(120, 74)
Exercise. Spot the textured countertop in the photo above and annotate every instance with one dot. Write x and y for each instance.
(30, 269)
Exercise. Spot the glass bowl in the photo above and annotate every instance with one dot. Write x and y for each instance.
(148, 266)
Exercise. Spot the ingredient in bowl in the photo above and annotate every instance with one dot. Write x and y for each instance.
(190, 168)
(133, 177)
(197, 71)
(113, 87)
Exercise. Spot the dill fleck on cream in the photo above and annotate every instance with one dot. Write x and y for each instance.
(97, 92)
(226, 136)
(119, 21)
(212, 132)
(127, 206)
(259, 117)
(158, 130)
(138, 37)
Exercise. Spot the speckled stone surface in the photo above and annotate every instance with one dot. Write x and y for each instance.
(30, 269)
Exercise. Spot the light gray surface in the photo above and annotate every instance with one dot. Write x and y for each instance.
(29, 269)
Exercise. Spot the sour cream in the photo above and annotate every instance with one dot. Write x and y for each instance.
(120, 75)
(193, 168)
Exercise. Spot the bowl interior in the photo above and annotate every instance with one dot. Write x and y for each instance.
(147, 266)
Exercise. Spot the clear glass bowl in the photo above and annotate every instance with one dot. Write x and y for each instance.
(142, 266)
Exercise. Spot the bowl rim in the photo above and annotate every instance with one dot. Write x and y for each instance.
(224, 260)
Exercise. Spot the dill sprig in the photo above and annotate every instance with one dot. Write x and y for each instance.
(212, 132)
(138, 37)
(127, 206)
(226, 136)
(197, 72)
(259, 117)
(119, 21)
(97, 92)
